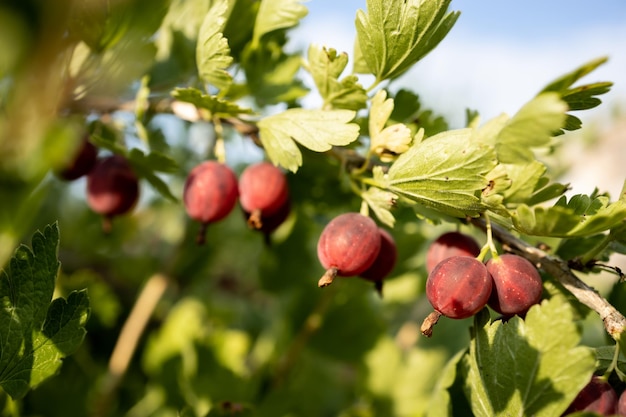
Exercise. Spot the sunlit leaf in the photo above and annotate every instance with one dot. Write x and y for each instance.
(523, 367)
(532, 126)
(214, 105)
(212, 51)
(277, 14)
(394, 35)
(445, 172)
(326, 66)
(36, 332)
(580, 216)
(317, 130)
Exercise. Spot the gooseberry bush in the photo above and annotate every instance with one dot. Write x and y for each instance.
(181, 235)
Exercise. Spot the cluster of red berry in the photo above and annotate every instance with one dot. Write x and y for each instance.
(211, 192)
(459, 285)
(353, 245)
(112, 186)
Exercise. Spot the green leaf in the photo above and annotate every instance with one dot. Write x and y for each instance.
(440, 402)
(35, 333)
(317, 130)
(146, 165)
(277, 14)
(525, 367)
(214, 105)
(386, 142)
(445, 172)
(381, 202)
(326, 65)
(523, 179)
(580, 216)
(582, 97)
(212, 51)
(394, 35)
(605, 356)
(272, 74)
(532, 126)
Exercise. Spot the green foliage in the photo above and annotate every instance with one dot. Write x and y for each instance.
(445, 172)
(582, 97)
(277, 14)
(326, 66)
(36, 332)
(240, 327)
(581, 215)
(393, 36)
(212, 52)
(317, 130)
(522, 367)
(214, 105)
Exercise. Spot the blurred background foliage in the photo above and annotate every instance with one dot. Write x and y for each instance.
(242, 328)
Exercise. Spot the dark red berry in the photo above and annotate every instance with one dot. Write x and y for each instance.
(459, 287)
(621, 405)
(347, 246)
(516, 284)
(112, 187)
(384, 262)
(263, 191)
(271, 222)
(210, 194)
(597, 396)
(450, 244)
(82, 162)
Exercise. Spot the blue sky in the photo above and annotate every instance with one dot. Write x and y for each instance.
(500, 52)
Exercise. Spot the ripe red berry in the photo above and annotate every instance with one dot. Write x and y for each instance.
(516, 284)
(597, 396)
(210, 194)
(271, 222)
(347, 246)
(384, 262)
(450, 244)
(82, 162)
(263, 191)
(112, 187)
(459, 287)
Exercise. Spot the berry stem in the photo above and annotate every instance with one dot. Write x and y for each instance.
(201, 237)
(254, 221)
(490, 245)
(328, 277)
(219, 150)
(429, 322)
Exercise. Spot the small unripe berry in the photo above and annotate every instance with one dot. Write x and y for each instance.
(597, 396)
(112, 187)
(82, 162)
(459, 287)
(263, 191)
(347, 246)
(516, 284)
(210, 194)
(450, 244)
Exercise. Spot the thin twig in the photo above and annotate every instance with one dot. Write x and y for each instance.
(129, 338)
(614, 321)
